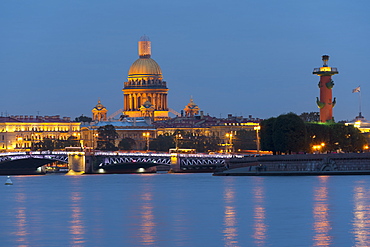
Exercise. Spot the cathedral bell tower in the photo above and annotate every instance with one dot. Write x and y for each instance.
(145, 91)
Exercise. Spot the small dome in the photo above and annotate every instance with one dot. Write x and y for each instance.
(145, 67)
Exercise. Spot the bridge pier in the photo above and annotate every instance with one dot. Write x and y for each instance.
(76, 161)
(175, 163)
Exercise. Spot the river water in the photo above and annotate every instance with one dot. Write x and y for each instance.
(185, 210)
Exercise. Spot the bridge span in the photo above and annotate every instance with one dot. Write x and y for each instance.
(109, 162)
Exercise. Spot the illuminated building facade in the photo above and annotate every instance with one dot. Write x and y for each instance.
(99, 112)
(145, 91)
(132, 128)
(191, 109)
(326, 101)
(20, 133)
(224, 128)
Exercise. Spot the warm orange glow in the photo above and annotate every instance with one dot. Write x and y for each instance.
(257, 128)
(260, 227)
(361, 214)
(321, 224)
(77, 228)
(316, 147)
(146, 134)
(230, 218)
(325, 68)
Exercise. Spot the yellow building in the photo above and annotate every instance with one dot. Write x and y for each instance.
(145, 92)
(99, 112)
(20, 133)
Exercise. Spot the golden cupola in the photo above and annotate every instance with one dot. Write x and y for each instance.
(145, 84)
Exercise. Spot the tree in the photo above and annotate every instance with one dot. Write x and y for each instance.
(83, 119)
(318, 133)
(162, 143)
(107, 136)
(289, 134)
(266, 134)
(310, 117)
(346, 138)
(245, 140)
(126, 144)
(196, 140)
(44, 145)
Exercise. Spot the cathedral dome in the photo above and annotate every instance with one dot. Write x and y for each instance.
(145, 67)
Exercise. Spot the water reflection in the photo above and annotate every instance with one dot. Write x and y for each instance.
(259, 213)
(321, 225)
(361, 215)
(77, 227)
(21, 220)
(230, 223)
(147, 233)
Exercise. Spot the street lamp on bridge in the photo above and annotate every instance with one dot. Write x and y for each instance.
(257, 129)
(147, 135)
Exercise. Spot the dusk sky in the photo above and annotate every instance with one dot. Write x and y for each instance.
(237, 57)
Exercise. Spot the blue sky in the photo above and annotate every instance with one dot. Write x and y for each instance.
(236, 57)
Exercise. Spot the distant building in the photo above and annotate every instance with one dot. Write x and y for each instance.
(99, 112)
(224, 128)
(21, 133)
(127, 127)
(145, 91)
(191, 109)
(362, 124)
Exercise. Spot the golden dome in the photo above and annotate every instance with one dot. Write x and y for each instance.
(145, 67)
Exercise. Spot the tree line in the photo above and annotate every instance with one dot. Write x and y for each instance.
(243, 139)
(288, 133)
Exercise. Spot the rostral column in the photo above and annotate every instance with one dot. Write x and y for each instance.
(326, 102)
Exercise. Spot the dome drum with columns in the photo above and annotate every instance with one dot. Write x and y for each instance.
(145, 85)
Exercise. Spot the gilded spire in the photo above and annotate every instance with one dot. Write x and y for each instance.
(144, 47)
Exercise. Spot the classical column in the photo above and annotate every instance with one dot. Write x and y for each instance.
(130, 102)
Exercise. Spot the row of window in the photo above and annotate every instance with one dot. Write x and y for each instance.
(45, 129)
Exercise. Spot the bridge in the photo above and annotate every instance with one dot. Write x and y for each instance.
(109, 162)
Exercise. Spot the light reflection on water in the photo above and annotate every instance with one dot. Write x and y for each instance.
(259, 212)
(77, 227)
(361, 214)
(185, 210)
(321, 213)
(21, 220)
(145, 230)
(230, 218)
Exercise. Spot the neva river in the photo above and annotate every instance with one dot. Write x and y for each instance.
(185, 210)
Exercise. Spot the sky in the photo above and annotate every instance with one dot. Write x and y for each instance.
(239, 57)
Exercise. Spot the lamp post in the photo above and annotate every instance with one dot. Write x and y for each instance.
(177, 137)
(257, 129)
(147, 135)
(230, 136)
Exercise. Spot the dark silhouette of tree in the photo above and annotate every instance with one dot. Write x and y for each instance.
(245, 140)
(310, 116)
(289, 134)
(266, 135)
(346, 138)
(83, 119)
(107, 136)
(162, 143)
(126, 144)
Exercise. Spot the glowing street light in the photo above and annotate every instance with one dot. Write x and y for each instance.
(177, 137)
(147, 135)
(257, 129)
